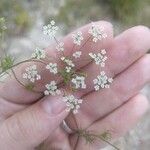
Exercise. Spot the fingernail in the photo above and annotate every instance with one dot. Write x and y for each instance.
(53, 105)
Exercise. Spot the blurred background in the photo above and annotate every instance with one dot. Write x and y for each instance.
(24, 20)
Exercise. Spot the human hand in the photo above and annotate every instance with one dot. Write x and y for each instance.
(27, 120)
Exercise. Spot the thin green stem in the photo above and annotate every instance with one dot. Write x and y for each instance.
(91, 137)
(84, 43)
(17, 78)
(30, 60)
(57, 42)
(109, 143)
(22, 62)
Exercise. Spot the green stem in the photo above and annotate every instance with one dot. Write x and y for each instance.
(84, 43)
(17, 78)
(22, 62)
(85, 134)
(57, 42)
(109, 143)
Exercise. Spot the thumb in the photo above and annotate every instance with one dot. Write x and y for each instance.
(28, 128)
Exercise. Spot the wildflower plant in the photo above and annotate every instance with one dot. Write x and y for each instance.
(73, 79)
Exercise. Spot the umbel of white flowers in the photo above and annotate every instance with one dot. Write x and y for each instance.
(77, 81)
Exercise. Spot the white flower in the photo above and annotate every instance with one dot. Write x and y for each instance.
(72, 103)
(77, 54)
(31, 74)
(77, 38)
(38, 53)
(102, 81)
(68, 69)
(60, 46)
(50, 29)
(97, 32)
(99, 58)
(79, 82)
(68, 61)
(52, 67)
(52, 89)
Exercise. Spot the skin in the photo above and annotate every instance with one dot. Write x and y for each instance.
(27, 120)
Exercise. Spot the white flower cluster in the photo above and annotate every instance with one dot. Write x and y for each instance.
(97, 32)
(68, 61)
(31, 74)
(50, 29)
(79, 82)
(60, 46)
(99, 58)
(68, 72)
(77, 38)
(68, 69)
(51, 88)
(72, 103)
(52, 67)
(102, 81)
(77, 54)
(38, 53)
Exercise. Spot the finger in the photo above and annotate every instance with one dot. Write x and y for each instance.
(28, 128)
(59, 141)
(16, 93)
(121, 53)
(8, 108)
(124, 50)
(127, 84)
(87, 44)
(119, 121)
